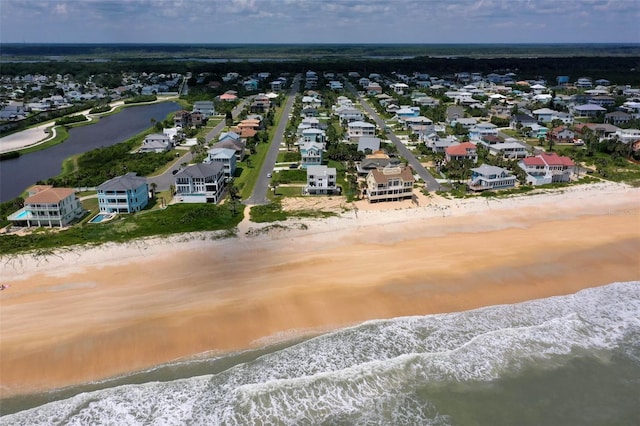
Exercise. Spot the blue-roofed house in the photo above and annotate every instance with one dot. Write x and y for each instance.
(311, 154)
(128, 193)
(224, 156)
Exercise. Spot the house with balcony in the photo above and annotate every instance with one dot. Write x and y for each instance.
(617, 118)
(546, 168)
(225, 157)
(460, 152)
(562, 134)
(480, 130)
(627, 135)
(206, 108)
(128, 193)
(311, 154)
(200, 183)
(488, 177)
(321, 180)
(157, 142)
(47, 206)
(391, 183)
(440, 144)
(312, 135)
(182, 119)
(508, 150)
(357, 129)
(376, 160)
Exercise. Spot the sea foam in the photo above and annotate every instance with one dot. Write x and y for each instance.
(372, 373)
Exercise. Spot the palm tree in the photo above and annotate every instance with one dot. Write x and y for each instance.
(154, 186)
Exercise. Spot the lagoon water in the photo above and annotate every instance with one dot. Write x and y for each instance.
(19, 173)
(569, 360)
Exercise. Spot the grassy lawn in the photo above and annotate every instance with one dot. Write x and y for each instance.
(177, 218)
(273, 212)
(179, 153)
(289, 191)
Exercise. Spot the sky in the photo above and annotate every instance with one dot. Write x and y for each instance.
(320, 21)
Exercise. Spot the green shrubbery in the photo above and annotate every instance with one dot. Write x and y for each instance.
(71, 119)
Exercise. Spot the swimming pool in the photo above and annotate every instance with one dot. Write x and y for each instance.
(101, 217)
(26, 214)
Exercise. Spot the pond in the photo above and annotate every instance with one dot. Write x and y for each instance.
(18, 174)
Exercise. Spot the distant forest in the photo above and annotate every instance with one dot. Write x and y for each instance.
(617, 63)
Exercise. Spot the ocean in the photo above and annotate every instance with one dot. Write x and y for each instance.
(567, 360)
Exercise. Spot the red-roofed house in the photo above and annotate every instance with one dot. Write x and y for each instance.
(48, 206)
(562, 134)
(546, 168)
(229, 97)
(461, 151)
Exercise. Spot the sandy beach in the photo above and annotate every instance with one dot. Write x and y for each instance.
(88, 314)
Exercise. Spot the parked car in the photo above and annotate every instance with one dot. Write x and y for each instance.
(268, 175)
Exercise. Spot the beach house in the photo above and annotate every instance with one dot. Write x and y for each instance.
(392, 183)
(356, 129)
(321, 180)
(200, 183)
(546, 168)
(226, 157)
(156, 142)
(128, 193)
(48, 206)
(490, 177)
(206, 108)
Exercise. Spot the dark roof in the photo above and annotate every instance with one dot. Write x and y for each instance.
(200, 170)
(123, 183)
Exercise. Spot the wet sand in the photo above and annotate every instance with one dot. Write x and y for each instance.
(93, 314)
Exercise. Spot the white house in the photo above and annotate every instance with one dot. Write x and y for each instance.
(546, 168)
(200, 183)
(321, 180)
(490, 177)
(627, 135)
(357, 129)
(224, 156)
(156, 142)
(48, 206)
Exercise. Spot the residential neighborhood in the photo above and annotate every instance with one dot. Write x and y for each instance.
(370, 137)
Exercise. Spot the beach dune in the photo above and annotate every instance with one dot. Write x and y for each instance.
(89, 314)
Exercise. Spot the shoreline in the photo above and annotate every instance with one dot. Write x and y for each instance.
(117, 309)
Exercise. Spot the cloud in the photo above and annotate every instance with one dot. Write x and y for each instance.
(318, 21)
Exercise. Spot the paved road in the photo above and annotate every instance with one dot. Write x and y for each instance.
(430, 183)
(259, 195)
(165, 180)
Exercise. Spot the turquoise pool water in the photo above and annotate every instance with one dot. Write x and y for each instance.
(24, 215)
(99, 218)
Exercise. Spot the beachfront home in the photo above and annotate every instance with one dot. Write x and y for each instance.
(48, 206)
(392, 183)
(200, 183)
(321, 180)
(123, 194)
(376, 160)
(546, 168)
(491, 177)
(226, 157)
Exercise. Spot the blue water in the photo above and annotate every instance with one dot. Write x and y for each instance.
(570, 360)
(23, 214)
(19, 173)
(98, 218)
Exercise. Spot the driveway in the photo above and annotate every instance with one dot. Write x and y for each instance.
(166, 179)
(430, 183)
(259, 195)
